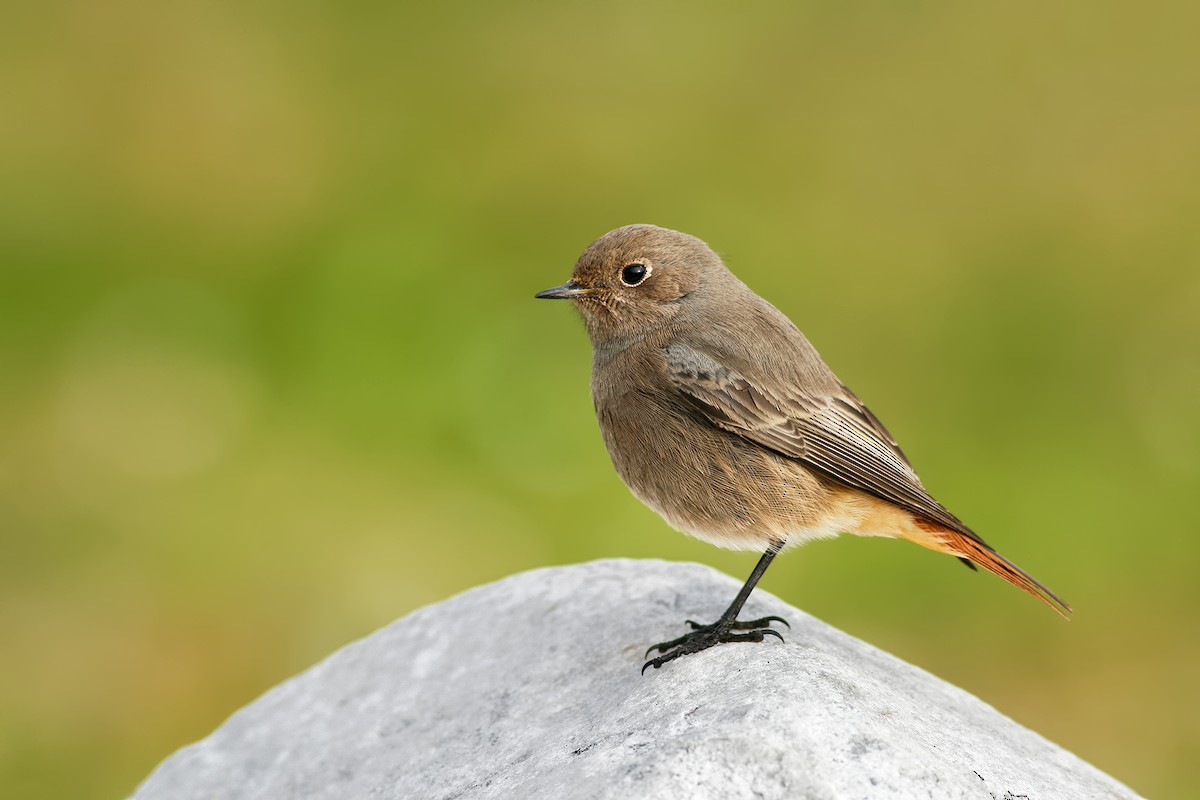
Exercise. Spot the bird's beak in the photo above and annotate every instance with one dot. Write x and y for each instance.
(568, 290)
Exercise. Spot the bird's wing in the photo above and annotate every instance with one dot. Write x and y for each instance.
(833, 432)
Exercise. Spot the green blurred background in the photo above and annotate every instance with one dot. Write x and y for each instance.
(271, 373)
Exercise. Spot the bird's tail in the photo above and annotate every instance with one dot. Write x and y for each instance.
(938, 537)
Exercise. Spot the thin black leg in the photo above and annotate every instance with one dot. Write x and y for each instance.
(726, 628)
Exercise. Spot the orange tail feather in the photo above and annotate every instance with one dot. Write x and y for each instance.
(937, 537)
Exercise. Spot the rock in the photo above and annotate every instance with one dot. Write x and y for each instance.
(530, 688)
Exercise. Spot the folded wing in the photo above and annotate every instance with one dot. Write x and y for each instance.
(833, 432)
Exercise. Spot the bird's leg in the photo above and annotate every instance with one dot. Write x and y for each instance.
(726, 628)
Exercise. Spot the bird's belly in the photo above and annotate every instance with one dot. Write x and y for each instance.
(717, 486)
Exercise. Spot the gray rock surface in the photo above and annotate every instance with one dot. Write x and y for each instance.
(529, 688)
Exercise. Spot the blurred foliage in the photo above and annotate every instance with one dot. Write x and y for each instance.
(271, 374)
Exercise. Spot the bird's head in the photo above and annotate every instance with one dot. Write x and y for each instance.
(635, 279)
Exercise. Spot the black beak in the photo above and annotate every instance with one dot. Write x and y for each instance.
(567, 291)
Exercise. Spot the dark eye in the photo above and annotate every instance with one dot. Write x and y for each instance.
(633, 274)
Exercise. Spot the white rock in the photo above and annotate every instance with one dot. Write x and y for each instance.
(530, 688)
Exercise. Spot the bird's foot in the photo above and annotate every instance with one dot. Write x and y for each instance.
(703, 637)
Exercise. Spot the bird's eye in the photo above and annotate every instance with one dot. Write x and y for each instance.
(633, 274)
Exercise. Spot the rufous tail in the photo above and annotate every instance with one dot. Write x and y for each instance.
(945, 540)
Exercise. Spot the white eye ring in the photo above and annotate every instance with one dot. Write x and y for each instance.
(641, 271)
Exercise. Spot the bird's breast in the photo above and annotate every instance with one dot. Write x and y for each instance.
(701, 479)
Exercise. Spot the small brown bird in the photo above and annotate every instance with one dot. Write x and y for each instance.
(719, 415)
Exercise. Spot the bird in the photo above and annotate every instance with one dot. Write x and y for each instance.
(719, 415)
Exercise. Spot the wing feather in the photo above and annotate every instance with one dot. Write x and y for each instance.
(833, 432)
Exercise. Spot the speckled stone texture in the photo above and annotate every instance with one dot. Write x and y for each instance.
(529, 688)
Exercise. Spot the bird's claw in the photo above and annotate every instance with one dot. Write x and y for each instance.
(703, 637)
(741, 625)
